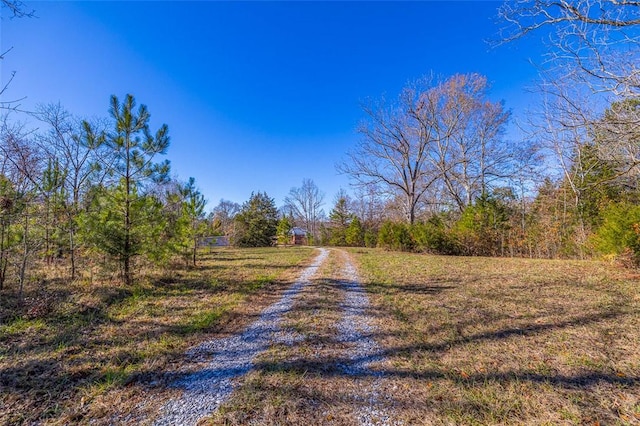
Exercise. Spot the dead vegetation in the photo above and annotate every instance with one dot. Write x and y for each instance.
(96, 351)
(464, 341)
(507, 341)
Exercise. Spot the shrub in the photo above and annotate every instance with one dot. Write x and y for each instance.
(619, 233)
(481, 229)
(395, 236)
(370, 239)
(432, 236)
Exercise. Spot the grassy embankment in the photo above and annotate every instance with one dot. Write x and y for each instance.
(97, 350)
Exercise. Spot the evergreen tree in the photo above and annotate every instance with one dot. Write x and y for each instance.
(285, 225)
(257, 222)
(339, 218)
(193, 211)
(127, 207)
(354, 234)
(482, 227)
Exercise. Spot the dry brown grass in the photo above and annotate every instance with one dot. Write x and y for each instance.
(466, 340)
(302, 382)
(506, 341)
(473, 341)
(96, 352)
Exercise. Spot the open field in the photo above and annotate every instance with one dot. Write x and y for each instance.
(496, 341)
(443, 340)
(462, 341)
(96, 351)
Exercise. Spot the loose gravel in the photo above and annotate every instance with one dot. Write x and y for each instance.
(356, 331)
(231, 357)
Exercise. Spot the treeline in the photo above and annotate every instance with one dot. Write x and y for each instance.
(434, 173)
(78, 194)
(603, 222)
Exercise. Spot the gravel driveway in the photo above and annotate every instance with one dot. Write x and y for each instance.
(230, 358)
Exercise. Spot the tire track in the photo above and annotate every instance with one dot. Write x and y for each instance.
(355, 329)
(205, 390)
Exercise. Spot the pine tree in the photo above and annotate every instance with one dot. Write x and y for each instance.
(354, 234)
(340, 217)
(193, 211)
(127, 206)
(257, 222)
(285, 225)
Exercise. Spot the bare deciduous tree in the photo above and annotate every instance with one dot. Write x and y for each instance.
(617, 139)
(76, 146)
(596, 42)
(17, 9)
(394, 150)
(368, 206)
(22, 166)
(562, 129)
(437, 135)
(305, 204)
(222, 216)
(471, 154)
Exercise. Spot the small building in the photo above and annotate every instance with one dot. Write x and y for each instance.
(216, 241)
(298, 236)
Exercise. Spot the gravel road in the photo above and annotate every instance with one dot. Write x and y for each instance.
(356, 330)
(231, 357)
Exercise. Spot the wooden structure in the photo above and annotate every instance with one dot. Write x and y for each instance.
(298, 236)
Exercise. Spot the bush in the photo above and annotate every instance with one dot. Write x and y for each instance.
(482, 228)
(370, 239)
(395, 236)
(432, 236)
(619, 234)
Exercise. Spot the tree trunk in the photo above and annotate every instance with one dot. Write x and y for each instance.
(25, 254)
(72, 252)
(3, 256)
(195, 249)
(47, 231)
(127, 215)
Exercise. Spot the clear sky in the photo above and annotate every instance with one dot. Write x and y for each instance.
(257, 95)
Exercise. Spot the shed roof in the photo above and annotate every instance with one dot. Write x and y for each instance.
(298, 231)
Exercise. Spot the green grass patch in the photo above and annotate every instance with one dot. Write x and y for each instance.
(23, 325)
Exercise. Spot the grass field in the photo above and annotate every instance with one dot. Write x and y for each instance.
(299, 381)
(465, 341)
(507, 341)
(86, 352)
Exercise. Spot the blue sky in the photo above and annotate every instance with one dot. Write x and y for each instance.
(257, 95)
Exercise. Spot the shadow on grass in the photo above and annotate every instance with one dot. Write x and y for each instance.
(334, 368)
(434, 285)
